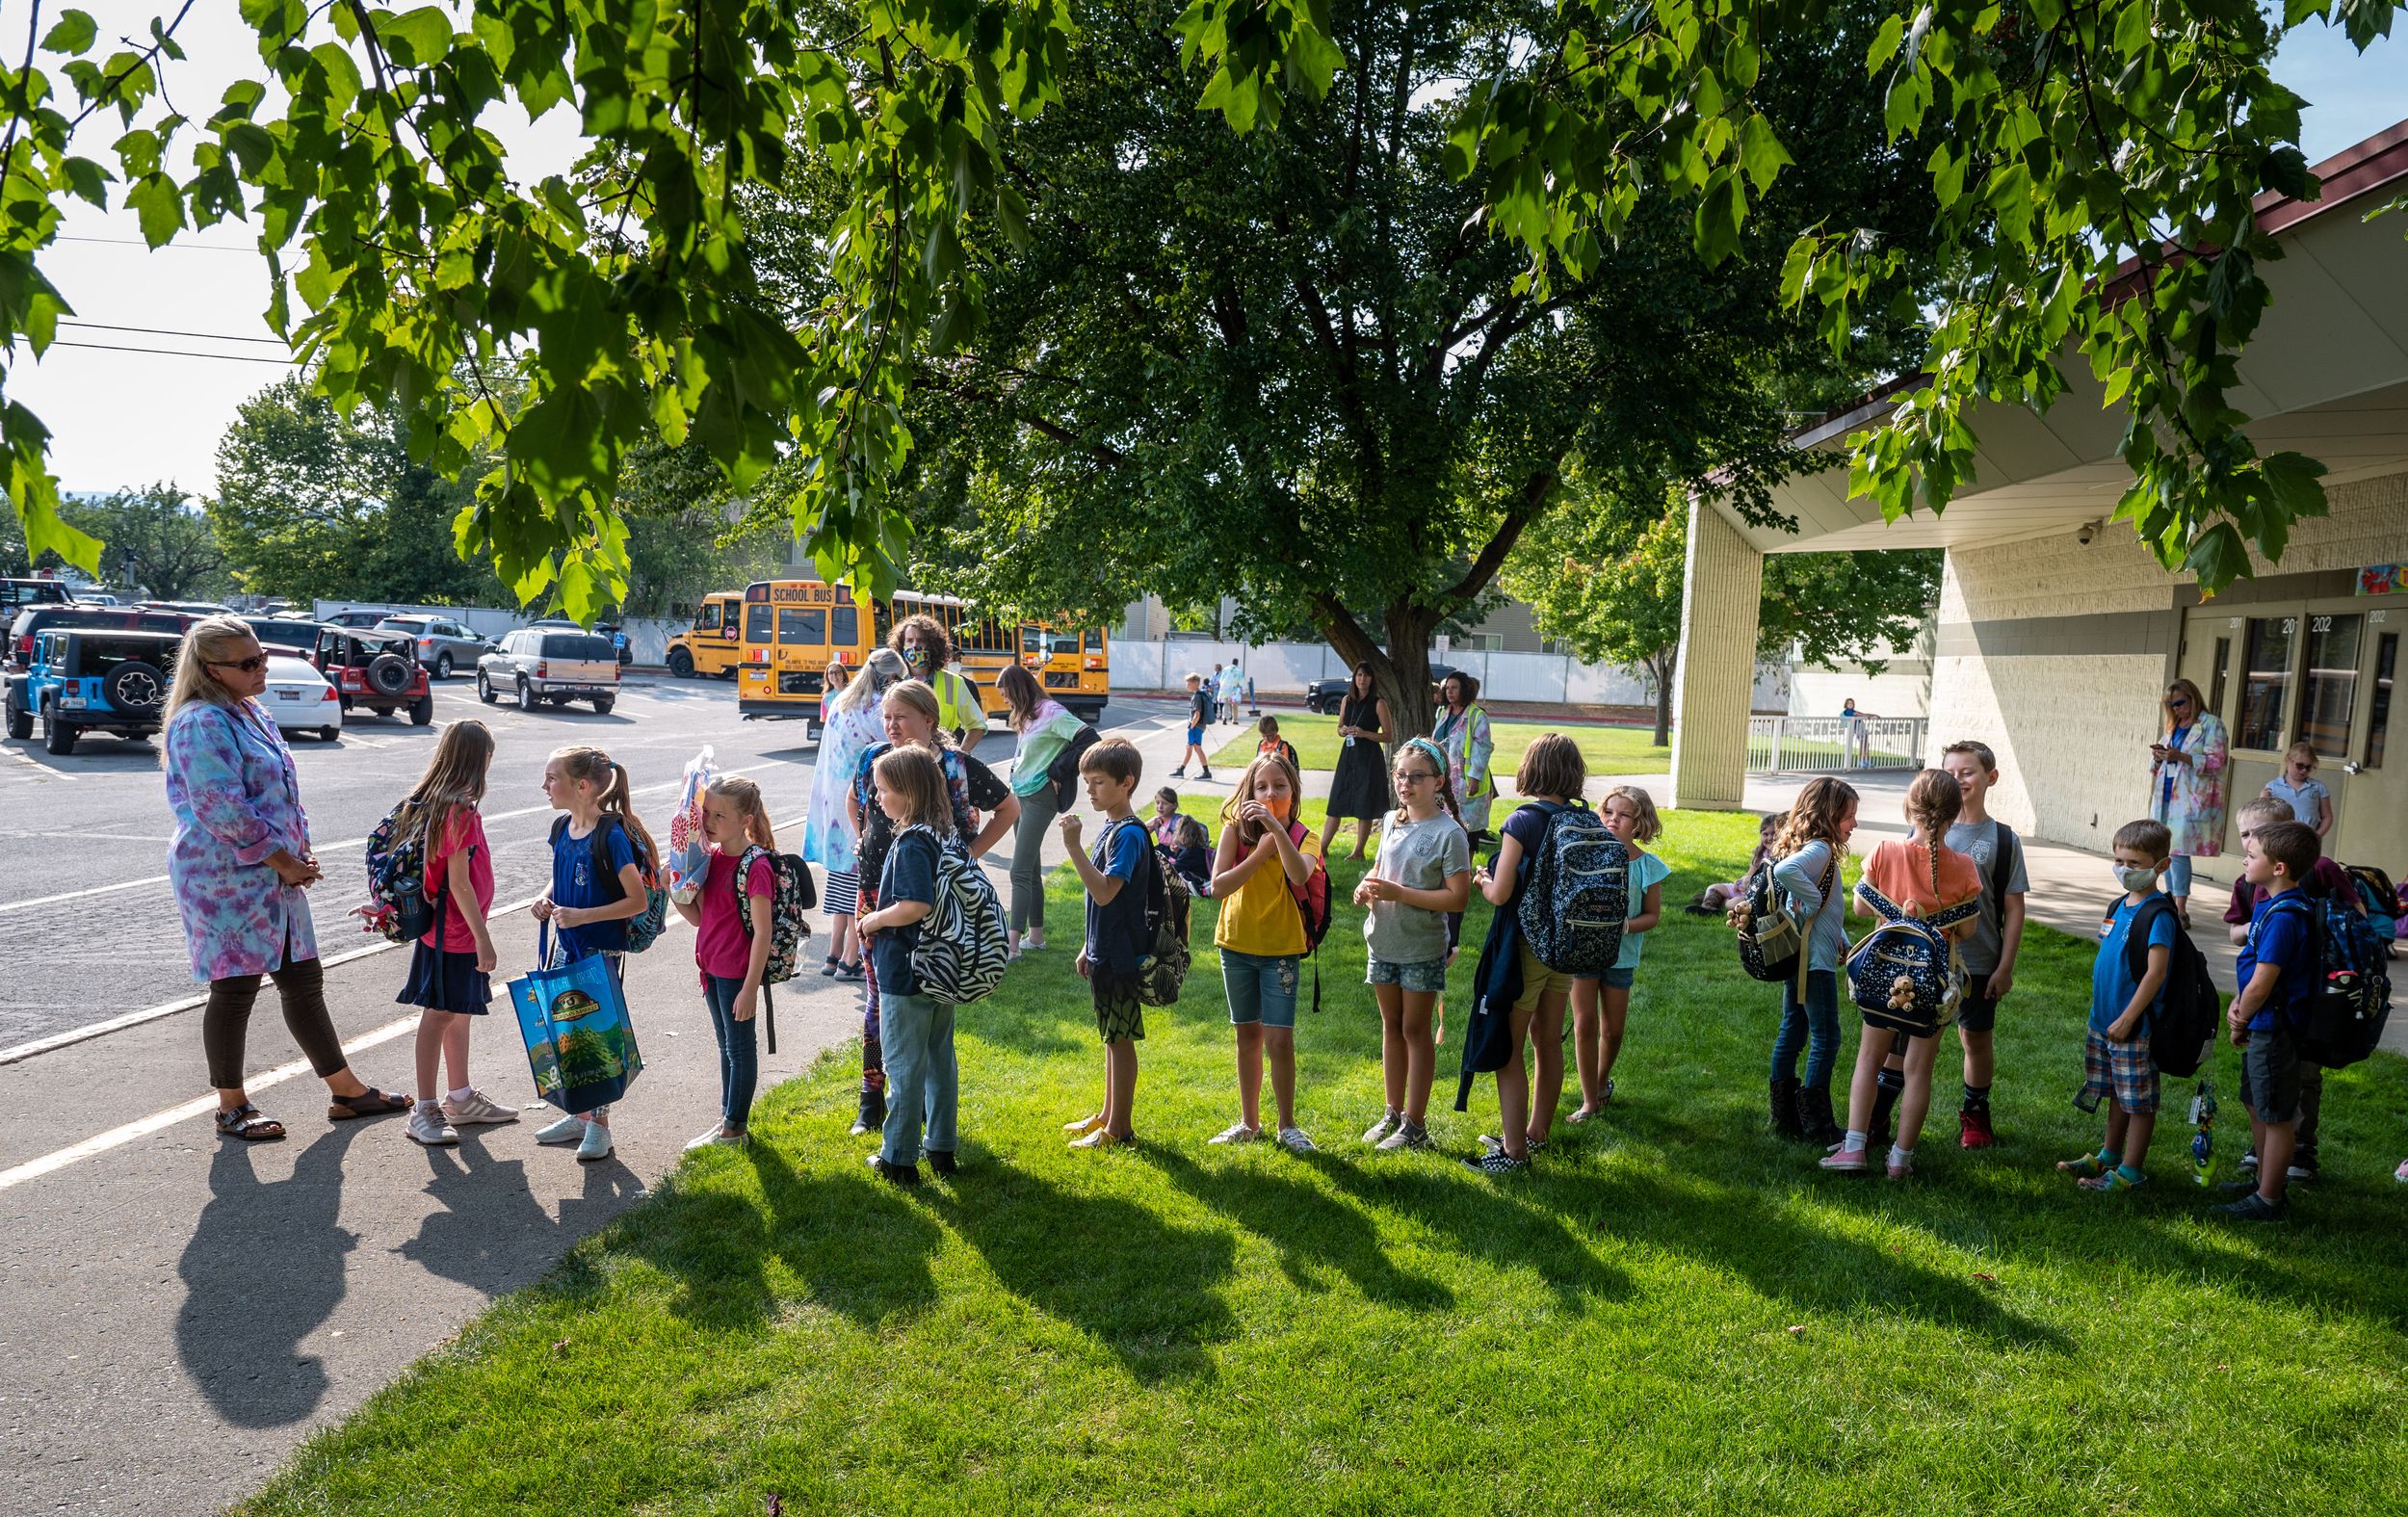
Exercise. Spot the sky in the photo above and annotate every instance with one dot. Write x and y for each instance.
(121, 420)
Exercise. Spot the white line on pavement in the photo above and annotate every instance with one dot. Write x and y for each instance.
(323, 847)
(31, 762)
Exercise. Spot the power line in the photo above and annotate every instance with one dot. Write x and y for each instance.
(136, 242)
(169, 353)
(169, 332)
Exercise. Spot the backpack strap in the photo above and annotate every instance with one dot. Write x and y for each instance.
(2001, 857)
(2137, 939)
(1883, 906)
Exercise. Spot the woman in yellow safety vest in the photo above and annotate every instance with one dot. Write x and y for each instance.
(929, 649)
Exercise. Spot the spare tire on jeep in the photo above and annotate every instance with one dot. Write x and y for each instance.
(388, 674)
(135, 689)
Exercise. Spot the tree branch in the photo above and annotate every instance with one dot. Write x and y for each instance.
(1533, 500)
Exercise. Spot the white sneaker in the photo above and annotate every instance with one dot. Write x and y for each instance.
(1378, 1133)
(1238, 1133)
(427, 1126)
(707, 1140)
(478, 1109)
(569, 1129)
(1406, 1135)
(1294, 1140)
(596, 1143)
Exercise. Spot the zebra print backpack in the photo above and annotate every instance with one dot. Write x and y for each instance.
(962, 949)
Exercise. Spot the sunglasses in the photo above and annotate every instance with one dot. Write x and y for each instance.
(2178, 703)
(249, 666)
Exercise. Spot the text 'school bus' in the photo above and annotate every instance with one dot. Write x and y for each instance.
(711, 646)
(793, 629)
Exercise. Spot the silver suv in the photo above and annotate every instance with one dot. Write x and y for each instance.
(534, 664)
(443, 644)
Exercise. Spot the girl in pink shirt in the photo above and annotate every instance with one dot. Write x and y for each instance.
(731, 942)
(450, 965)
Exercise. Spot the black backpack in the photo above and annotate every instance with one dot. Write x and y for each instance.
(2183, 1029)
(1063, 772)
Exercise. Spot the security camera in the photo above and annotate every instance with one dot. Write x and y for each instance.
(2086, 534)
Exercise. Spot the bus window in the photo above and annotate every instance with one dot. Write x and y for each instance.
(1059, 643)
(883, 619)
(1095, 640)
(801, 624)
(757, 621)
(707, 619)
(1032, 640)
(847, 629)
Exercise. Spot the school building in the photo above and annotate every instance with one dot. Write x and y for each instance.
(2057, 632)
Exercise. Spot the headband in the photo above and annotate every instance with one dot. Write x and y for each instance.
(1437, 754)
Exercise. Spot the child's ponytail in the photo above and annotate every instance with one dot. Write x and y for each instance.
(746, 797)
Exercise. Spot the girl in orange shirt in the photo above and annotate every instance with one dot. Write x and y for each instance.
(1921, 876)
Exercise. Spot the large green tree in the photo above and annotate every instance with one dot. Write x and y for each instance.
(2058, 141)
(1294, 370)
(160, 544)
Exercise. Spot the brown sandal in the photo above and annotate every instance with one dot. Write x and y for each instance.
(247, 1123)
(371, 1102)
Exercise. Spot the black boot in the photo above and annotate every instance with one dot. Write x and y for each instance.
(1813, 1114)
(1785, 1123)
(873, 1117)
(1888, 1086)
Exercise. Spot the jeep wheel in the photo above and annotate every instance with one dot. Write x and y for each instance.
(680, 664)
(602, 704)
(135, 688)
(422, 710)
(58, 736)
(526, 696)
(484, 689)
(20, 721)
(388, 674)
(443, 666)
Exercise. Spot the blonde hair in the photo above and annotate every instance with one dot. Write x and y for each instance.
(1933, 800)
(879, 671)
(1642, 805)
(746, 797)
(206, 641)
(921, 696)
(2302, 750)
(912, 772)
(2198, 703)
(1815, 815)
(1249, 834)
(591, 766)
(455, 778)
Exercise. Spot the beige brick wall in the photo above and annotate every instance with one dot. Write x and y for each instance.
(2072, 731)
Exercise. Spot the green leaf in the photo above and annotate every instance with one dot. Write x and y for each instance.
(1722, 207)
(1795, 269)
(1760, 153)
(2295, 483)
(419, 36)
(155, 198)
(2218, 557)
(74, 32)
(1885, 42)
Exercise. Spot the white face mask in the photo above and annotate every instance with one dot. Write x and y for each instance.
(2135, 880)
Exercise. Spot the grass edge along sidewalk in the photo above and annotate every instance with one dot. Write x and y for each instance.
(1605, 749)
(1672, 1308)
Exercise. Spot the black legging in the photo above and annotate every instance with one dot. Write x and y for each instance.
(301, 985)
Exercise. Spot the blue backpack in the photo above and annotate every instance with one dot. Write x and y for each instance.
(2352, 999)
(1905, 975)
(1577, 893)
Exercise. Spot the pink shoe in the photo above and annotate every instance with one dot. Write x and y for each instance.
(1846, 1160)
(1904, 1172)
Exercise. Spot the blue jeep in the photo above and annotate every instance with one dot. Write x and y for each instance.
(92, 681)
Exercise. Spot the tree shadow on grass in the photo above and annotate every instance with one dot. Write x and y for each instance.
(1310, 1231)
(1488, 1224)
(1146, 1288)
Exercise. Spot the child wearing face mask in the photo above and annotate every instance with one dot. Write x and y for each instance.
(2116, 1066)
(1265, 856)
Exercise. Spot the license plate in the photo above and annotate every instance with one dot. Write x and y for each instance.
(72, 702)
(288, 694)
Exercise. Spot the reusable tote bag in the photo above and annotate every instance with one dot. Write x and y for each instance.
(579, 1043)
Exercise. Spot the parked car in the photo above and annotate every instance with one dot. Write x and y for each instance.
(359, 617)
(92, 680)
(1322, 695)
(286, 634)
(299, 699)
(376, 671)
(96, 598)
(618, 641)
(443, 643)
(31, 621)
(189, 608)
(534, 664)
(15, 594)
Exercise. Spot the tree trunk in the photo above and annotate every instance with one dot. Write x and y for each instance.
(1399, 673)
(1662, 666)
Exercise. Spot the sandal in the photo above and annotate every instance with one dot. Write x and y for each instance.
(247, 1123)
(2085, 1167)
(371, 1102)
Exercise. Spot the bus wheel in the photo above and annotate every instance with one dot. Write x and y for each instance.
(681, 664)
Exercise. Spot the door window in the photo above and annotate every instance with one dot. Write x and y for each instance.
(805, 625)
(2266, 682)
(2328, 695)
(846, 632)
(709, 619)
(757, 621)
(2379, 710)
(2217, 676)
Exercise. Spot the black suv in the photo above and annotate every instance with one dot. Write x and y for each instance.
(375, 670)
(1322, 695)
(124, 619)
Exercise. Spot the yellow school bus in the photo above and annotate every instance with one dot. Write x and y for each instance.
(709, 648)
(790, 630)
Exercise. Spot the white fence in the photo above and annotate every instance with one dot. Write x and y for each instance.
(1286, 668)
(1806, 745)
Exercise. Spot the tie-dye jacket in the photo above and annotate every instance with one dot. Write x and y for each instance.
(236, 800)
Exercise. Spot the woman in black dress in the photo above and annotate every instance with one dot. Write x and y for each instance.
(1359, 788)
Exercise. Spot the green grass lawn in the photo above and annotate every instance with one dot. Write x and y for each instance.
(1671, 1310)
(1607, 750)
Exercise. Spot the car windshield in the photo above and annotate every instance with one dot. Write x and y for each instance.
(577, 645)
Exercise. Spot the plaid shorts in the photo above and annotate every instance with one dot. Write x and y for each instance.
(2122, 1070)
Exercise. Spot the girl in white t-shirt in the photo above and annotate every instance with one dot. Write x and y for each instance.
(1424, 872)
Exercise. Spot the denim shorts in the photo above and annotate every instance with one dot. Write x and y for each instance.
(1261, 987)
(1424, 975)
(1195, 736)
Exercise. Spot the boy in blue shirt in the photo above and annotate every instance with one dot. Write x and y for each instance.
(1115, 930)
(2277, 971)
(2117, 1065)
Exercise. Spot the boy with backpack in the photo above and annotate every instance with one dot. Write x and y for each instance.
(2117, 1065)
(1997, 935)
(2277, 974)
(1117, 883)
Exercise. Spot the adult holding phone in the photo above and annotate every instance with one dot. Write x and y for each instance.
(2186, 785)
(1359, 789)
(240, 864)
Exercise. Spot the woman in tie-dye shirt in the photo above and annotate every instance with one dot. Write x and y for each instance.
(239, 863)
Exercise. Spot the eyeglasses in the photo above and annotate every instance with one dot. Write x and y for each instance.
(1408, 776)
(249, 666)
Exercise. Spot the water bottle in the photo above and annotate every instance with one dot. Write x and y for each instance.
(2202, 1140)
